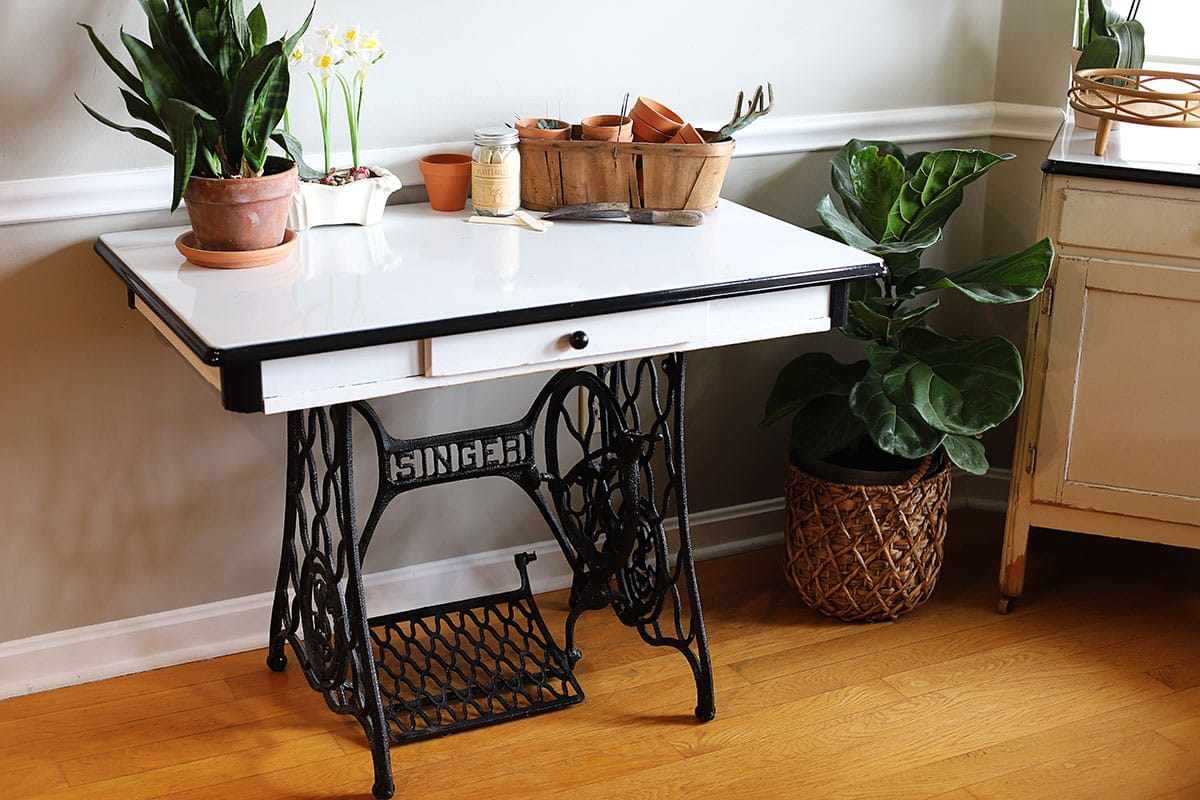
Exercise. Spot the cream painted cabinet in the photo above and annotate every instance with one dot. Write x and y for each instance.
(1109, 432)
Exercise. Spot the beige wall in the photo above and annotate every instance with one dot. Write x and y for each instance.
(126, 490)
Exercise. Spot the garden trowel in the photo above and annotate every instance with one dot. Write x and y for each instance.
(617, 210)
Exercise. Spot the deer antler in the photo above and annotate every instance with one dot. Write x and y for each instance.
(739, 120)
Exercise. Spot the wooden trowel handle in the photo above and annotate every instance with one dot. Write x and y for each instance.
(646, 217)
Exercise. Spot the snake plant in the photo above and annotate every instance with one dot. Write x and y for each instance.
(917, 390)
(208, 83)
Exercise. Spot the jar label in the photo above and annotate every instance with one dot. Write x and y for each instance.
(496, 187)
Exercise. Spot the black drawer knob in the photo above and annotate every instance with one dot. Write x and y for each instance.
(578, 340)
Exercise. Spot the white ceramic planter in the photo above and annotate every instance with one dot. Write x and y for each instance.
(359, 202)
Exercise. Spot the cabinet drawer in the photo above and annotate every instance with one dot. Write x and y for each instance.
(608, 336)
(1130, 223)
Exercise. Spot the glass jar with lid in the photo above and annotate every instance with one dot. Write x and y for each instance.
(496, 172)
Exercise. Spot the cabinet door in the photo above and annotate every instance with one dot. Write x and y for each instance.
(1120, 421)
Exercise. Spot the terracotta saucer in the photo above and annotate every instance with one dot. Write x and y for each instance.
(234, 259)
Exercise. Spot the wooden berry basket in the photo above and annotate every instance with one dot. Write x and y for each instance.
(643, 174)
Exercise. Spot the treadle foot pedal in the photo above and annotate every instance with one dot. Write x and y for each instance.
(460, 665)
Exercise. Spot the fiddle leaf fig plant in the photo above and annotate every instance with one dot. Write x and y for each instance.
(208, 83)
(917, 390)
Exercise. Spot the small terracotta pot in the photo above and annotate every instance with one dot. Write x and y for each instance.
(654, 122)
(607, 128)
(687, 135)
(447, 178)
(242, 213)
(528, 129)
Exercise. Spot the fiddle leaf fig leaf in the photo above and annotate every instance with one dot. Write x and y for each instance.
(958, 386)
(1011, 278)
(809, 376)
(928, 199)
(894, 427)
(842, 227)
(909, 318)
(967, 453)
(869, 184)
(825, 426)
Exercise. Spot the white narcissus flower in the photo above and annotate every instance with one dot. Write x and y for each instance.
(298, 55)
(351, 37)
(325, 63)
(368, 52)
(329, 37)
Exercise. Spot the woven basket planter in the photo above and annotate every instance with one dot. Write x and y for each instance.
(865, 553)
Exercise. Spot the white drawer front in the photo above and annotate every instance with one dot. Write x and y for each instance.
(608, 336)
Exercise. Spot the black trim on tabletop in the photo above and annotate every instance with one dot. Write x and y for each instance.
(1113, 172)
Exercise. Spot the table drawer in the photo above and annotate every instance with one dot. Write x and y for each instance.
(608, 336)
(1130, 223)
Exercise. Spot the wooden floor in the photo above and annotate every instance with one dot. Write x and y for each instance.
(1089, 689)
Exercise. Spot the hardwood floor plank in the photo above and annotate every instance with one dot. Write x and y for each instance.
(1090, 688)
(1140, 767)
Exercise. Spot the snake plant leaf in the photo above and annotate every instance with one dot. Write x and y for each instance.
(959, 386)
(844, 175)
(205, 27)
(806, 377)
(139, 109)
(1012, 278)
(291, 145)
(290, 42)
(120, 70)
(825, 426)
(159, 80)
(182, 120)
(967, 453)
(257, 22)
(270, 100)
(931, 195)
(205, 80)
(156, 18)
(896, 428)
(140, 133)
(238, 24)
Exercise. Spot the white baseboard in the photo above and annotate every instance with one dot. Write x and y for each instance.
(75, 196)
(96, 652)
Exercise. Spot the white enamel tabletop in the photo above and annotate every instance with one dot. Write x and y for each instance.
(419, 266)
(1174, 151)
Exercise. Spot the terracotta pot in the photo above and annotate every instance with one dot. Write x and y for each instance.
(654, 122)
(447, 178)
(242, 213)
(607, 128)
(528, 129)
(686, 135)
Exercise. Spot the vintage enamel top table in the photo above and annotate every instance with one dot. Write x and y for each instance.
(426, 299)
